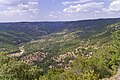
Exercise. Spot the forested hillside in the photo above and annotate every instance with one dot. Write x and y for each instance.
(20, 32)
(75, 50)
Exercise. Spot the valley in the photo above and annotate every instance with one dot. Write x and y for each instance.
(75, 50)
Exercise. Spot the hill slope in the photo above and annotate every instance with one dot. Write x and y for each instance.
(77, 50)
(25, 31)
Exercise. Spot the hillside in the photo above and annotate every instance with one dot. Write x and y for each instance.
(25, 31)
(14, 34)
(75, 50)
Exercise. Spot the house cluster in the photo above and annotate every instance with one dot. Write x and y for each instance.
(38, 56)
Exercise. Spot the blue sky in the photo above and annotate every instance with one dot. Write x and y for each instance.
(57, 10)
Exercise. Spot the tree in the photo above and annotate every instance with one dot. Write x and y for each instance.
(14, 69)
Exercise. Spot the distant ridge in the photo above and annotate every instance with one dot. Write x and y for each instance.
(19, 32)
(59, 21)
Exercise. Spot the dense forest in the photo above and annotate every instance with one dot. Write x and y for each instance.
(75, 50)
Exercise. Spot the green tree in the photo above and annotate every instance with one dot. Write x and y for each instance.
(14, 69)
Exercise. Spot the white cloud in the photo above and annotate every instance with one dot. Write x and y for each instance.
(20, 9)
(87, 7)
(114, 6)
(3, 2)
(52, 14)
(9, 2)
(75, 2)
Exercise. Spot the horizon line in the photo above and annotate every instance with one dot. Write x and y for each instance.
(57, 20)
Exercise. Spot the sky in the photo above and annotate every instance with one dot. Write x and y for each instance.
(57, 10)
